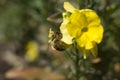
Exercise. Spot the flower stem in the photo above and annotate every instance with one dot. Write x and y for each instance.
(77, 67)
(79, 3)
(77, 60)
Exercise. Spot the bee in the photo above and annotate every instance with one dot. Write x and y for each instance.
(56, 42)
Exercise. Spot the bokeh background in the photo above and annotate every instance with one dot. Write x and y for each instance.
(24, 51)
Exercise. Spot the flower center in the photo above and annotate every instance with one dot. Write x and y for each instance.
(85, 29)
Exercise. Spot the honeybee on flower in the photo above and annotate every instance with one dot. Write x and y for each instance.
(82, 26)
(55, 40)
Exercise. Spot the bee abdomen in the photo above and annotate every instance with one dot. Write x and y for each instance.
(60, 46)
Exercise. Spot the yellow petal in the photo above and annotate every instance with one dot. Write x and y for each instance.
(76, 22)
(84, 41)
(68, 7)
(66, 37)
(91, 15)
(89, 45)
(95, 32)
(81, 41)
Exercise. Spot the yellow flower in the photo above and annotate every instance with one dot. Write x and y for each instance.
(83, 26)
(32, 52)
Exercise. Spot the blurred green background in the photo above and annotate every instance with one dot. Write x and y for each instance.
(24, 52)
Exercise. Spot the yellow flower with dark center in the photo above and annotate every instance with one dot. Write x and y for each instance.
(83, 26)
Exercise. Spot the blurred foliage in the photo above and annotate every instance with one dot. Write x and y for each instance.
(22, 21)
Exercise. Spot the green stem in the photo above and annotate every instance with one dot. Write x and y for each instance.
(80, 4)
(77, 66)
(77, 60)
